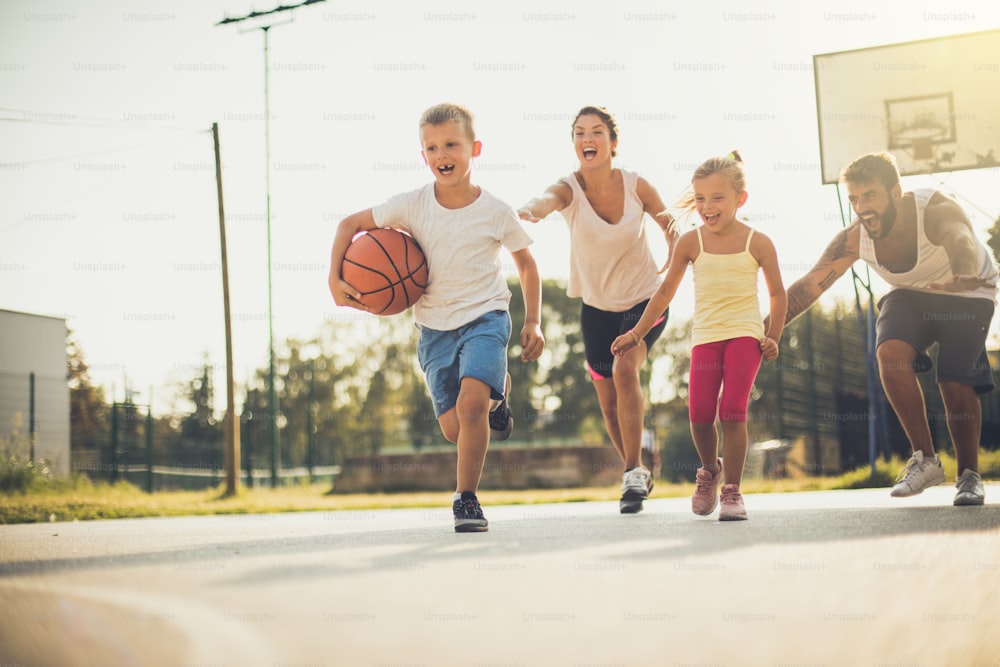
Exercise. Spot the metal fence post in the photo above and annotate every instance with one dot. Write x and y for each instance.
(114, 442)
(149, 449)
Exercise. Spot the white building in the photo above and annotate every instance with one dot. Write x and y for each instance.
(34, 393)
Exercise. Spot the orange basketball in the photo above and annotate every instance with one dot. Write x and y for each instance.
(388, 268)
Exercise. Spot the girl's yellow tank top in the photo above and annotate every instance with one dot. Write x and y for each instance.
(725, 296)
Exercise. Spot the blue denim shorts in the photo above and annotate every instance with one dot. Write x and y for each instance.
(477, 350)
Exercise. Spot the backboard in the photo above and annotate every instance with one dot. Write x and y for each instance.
(933, 103)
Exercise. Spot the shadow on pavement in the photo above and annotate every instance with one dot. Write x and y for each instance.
(526, 531)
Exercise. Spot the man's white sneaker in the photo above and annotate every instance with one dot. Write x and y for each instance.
(970, 489)
(918, 474)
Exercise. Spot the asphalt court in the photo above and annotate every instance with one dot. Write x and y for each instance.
(822, 578)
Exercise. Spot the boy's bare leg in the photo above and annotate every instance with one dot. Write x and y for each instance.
(473, 432)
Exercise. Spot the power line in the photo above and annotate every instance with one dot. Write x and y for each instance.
(75, 120)
(16, 164)
(256, 14)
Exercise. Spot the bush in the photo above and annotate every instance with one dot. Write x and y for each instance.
(886, 471)
(862, 478)
(19, 474)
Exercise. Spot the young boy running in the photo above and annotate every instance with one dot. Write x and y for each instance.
(463, 316)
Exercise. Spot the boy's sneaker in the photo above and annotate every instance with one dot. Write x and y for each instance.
(919, 473)
(706, 490)
(468, 514)
(636, 485)
(732, 508)
(970, 489)
(501, 420)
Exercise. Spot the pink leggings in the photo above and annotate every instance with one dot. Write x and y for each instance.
(730, 364)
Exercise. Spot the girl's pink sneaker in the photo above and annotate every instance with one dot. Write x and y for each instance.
(732, 504)
(706, 491)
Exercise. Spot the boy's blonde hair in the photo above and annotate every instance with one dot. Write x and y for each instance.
(447, 112)
(730, 166)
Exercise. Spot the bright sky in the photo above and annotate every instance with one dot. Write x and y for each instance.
(109, 214)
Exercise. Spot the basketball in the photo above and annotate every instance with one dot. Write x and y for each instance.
(388, 268)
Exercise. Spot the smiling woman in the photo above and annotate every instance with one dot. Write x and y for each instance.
(613, 270)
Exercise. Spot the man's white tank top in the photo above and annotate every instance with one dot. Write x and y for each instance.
(932, 260)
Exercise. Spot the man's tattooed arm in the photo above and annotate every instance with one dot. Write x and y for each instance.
(835, 261)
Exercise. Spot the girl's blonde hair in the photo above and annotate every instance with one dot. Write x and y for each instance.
(730, 166)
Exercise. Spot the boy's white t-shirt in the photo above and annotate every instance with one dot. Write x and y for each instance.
(462, 247)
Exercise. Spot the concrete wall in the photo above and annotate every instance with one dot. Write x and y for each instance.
(506, 468)
(34, 344)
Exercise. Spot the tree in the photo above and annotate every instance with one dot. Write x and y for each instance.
(357, 387)
(198, 437)
(89, 413)
(553, 398)
(994, 239)
(354, 389)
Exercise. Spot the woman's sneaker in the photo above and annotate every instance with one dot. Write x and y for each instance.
(501, 420)
(919, 473)
(732, 508)
(970, 489)
(636, 485)
(706, 490)
(468, 514)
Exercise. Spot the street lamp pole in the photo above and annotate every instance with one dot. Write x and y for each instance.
(272, 398)
(272, 393)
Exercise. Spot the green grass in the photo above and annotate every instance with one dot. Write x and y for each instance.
(42, 499)
(84, 501)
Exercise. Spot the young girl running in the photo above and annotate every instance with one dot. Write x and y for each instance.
(728, 335)
(613, 270)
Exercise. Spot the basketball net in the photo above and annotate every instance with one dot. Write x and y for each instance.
(922, 148)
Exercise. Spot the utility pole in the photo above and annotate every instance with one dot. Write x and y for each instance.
(231, 430)
(272, 399)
